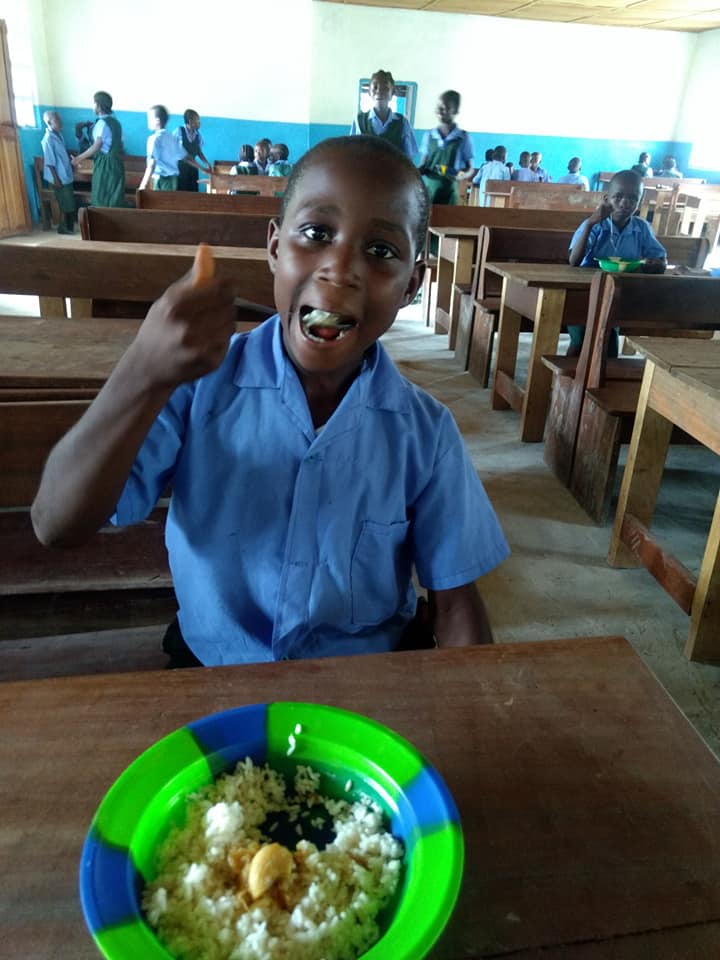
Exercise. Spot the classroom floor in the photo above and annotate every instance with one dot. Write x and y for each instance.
(556, 582)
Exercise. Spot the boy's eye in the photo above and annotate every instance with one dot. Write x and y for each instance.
(316, 232)
(381, 250)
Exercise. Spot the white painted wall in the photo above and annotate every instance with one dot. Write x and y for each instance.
(567, 80)
(238, 59)
(697, 118)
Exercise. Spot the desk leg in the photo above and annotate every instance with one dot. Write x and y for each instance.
(462, 274)
(443, 293)
(507, 347)
(704, 640)
(546, 333)
(51, 307)
(643, 472)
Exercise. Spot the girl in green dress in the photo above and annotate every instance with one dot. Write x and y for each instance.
(108, 179)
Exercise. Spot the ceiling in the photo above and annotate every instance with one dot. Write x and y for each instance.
(686, 15)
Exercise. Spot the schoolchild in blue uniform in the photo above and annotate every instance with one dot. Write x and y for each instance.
(262, 155)
(612, 230)
(494, 170)
(446, 152)
(573, 175)
(58, 171)
(106, 149)
(190, 139)
(383, 122)
(164, 153)
(308, 476)
(523, 174)
(541, 175)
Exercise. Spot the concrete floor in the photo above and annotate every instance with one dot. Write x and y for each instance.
(556, 582)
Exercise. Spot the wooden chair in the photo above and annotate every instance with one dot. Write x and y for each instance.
(570, 374)
(606, 390)
(479, 310)
(117, 569)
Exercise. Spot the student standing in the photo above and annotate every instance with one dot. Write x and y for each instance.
(495, 170)
(189, 138)
(523, 174)
(541, 175)
(381, 121)
(669, 168)
(108, 179)
(642, 167)
(308, 477)
(164, 153)
(58, 171)
(446, 154)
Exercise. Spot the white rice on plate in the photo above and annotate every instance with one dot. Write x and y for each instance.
(205, 902)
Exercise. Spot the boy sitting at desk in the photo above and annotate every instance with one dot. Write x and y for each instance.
(612, 230)
(308, 476)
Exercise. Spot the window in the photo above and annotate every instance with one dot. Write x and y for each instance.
(15, 14)
(402, 102)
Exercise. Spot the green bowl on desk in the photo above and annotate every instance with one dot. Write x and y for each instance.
(345, 748)
(619, 265)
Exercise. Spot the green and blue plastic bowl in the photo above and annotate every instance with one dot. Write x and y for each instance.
(149, 797)
(619, 265)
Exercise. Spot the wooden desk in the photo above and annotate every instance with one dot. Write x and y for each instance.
(537, 292)
(88, 269)
(590, 808)
(681, 387)
(457, 248)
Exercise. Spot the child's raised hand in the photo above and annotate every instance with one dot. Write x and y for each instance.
(602, 211)
(186, 332)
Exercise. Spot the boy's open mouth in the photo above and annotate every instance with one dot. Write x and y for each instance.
(321, 326)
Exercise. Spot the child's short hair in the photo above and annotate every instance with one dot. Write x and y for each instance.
(644, 157)
(668, 162)
(48, 115)
(489, 154)
(628, 175)
(383, 75)
(452, 98)
(190, 115)
(574, 164)
(383, 154)
(525, 155)
(104, 101)
(281, 150)
(500, 153)
(160, 113)
(266, 140)
(247, 154)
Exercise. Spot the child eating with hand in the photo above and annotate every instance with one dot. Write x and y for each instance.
(308, 477)
(613, 230)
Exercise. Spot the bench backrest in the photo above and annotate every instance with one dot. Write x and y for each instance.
(208, 202)
(134, 170)
(644, 305)
(686, 251)
(28, 431)
(173, 226)
(551, 196)
(263, 185)
(508, 244)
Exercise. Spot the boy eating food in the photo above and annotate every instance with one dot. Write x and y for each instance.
(308, 476)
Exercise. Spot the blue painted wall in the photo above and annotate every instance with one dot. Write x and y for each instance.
(224, 136)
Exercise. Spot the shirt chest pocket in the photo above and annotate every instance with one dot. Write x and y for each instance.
(380, 572)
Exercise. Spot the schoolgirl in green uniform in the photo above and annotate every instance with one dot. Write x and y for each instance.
(446, 152)
(108, 179)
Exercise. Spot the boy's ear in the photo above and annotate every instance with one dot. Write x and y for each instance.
(416, 279)
(273, 240)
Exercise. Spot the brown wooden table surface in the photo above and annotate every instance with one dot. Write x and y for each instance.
(590, 807)
(537, 291)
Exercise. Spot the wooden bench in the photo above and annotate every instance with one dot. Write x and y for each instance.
(552, 196)
(79, 588)
(448, 216)
(233, 183)
(208, 202)
(480, 307)
(174, 226)
(592, 412)
(140, 272)
(47, 202)
(570, 373)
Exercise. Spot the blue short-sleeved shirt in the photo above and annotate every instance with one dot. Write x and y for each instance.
(166, 152)
(407, 143)
(634, 242)
(523, 175)
(102, 129)
(55, 155)
(574, 178)
(287, 542)
(464, 155)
